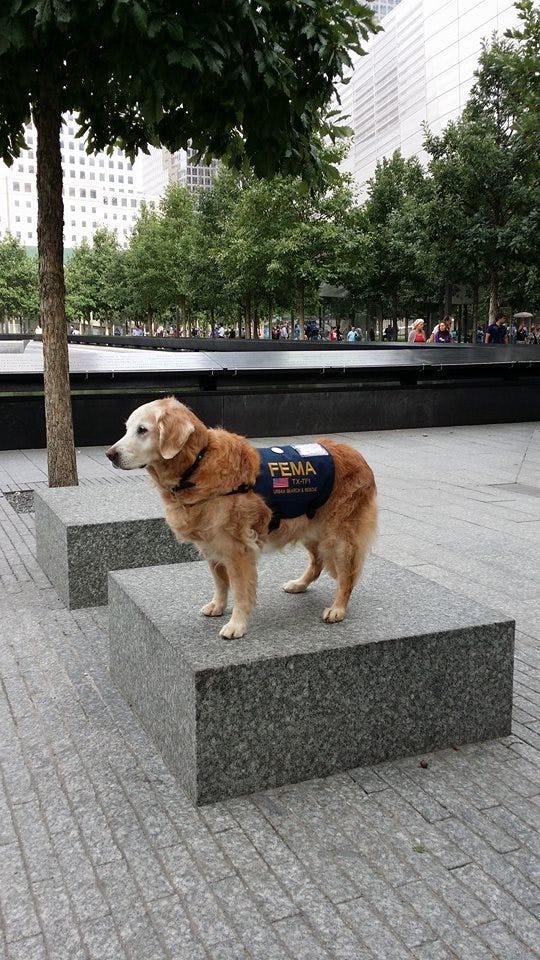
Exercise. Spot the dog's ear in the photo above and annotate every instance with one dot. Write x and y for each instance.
(174, 431)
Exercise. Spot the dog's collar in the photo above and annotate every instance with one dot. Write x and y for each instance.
(184, 483)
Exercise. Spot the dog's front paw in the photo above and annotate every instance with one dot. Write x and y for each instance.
(294, 586)
(213, 609)
(333, 614)
(233, 630)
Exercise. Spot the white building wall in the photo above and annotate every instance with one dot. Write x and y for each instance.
(99, 191)
(420, 69)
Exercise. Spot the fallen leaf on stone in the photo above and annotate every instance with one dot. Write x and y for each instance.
(424, 764)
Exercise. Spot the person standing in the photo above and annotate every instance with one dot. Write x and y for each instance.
(497, 332)
(442, 333)
(521, 332)
(417, 334)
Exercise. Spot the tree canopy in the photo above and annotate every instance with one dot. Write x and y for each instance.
(235, 80)
(243, 80)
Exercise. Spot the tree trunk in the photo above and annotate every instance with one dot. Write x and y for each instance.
(448, 294)
(301, 313)
(62, 464)
(493, 296)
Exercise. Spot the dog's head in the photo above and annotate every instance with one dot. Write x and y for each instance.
(155, 432)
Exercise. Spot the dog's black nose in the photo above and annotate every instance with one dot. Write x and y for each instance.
(112, 454)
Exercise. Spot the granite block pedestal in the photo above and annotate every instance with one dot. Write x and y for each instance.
(411, 669)
(83, 532)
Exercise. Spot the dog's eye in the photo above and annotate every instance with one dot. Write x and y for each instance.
(142, 430)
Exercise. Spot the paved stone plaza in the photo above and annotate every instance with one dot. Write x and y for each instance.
(431, 857)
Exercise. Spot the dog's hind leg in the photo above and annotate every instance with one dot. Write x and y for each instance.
(242, 573)
(216, 606)
(312, 571)
(347, 561)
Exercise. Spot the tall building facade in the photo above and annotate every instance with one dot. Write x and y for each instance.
(419, 69)
(159, 168)
(99, 191)
(382, 7)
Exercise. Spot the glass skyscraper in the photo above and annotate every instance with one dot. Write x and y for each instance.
(420, 68)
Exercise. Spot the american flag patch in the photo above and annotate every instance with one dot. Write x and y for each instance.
(280, 483)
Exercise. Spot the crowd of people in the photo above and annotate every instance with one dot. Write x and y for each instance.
(500, 331)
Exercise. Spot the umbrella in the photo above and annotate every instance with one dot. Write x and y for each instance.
(523, 315)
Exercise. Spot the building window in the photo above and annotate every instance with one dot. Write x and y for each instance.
(92, 194)
(28, 188)
(82, 192)
(102, 177)
(111, 178)
(72, 173)
(120, 178)
(133, 203)
(72, 191)
(72, 159)
(16, 186)
(130, 179)
(111, 164)
(92, 176)
(17, 219)
(124, 202)
(82, 175)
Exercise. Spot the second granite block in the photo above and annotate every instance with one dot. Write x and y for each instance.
(83, 532)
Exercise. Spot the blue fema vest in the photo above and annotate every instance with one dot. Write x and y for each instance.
(294, 480)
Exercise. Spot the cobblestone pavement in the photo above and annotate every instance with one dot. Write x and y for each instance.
(101, 854)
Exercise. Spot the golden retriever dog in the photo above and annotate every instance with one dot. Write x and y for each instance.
(207, 479)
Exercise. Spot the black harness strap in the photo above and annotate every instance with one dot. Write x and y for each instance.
(184, 483)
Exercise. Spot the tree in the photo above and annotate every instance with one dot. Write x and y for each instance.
(96, 283)
(18, 281)
(160, 251)
(485, 166)
(307, 250)
(396, 194)
(239, 80)
(208, 277)
(80, 279)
